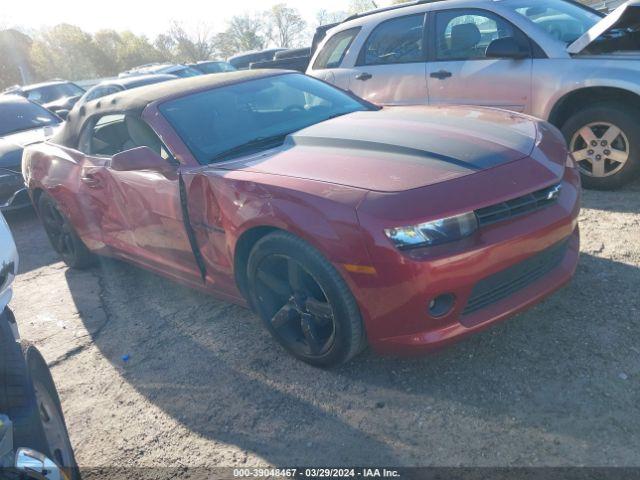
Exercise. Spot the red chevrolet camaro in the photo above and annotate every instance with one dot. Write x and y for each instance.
(342, 224)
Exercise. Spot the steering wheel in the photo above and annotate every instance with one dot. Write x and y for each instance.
(293, 108)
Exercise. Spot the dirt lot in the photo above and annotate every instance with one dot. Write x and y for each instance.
(205, 385)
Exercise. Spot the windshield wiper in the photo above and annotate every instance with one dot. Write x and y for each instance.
(256, 143)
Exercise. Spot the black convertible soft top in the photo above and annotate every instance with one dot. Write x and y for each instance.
(135, 100)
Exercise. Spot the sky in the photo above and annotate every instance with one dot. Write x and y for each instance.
(144, 16)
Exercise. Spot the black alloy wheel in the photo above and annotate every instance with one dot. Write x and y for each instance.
(303, 301)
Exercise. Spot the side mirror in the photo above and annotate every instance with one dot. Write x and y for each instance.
(36, 466)
(507, 47)
(140, 158)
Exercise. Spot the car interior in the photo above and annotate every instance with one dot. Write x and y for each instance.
(469, 36)
(113, 134)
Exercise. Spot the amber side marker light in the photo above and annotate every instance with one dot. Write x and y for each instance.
(366, 269)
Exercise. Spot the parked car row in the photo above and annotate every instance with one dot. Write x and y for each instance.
(58, 96)
(34, 442)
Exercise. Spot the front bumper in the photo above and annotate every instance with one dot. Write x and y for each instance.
(506, 268)
(461, 324)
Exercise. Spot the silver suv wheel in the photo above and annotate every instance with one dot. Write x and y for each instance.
(601, 149)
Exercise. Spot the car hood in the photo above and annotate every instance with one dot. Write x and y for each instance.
(11, 146)
(618, 31)
(398, 148)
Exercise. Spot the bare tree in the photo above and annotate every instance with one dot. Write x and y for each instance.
(192, 45)
(287, 26)
(359, 6)
(325, 17)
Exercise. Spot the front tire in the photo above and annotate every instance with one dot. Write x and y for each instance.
(64, 239)
(304, 302)
(605, 141)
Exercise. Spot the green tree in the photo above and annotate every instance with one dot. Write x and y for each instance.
(64, 51)
(243, 33)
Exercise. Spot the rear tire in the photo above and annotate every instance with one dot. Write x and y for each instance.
(604, 163)
(304, 302)
(63, 237)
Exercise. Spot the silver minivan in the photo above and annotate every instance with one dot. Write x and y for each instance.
(554, 59)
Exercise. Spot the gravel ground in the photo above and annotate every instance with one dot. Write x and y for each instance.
(205, 385)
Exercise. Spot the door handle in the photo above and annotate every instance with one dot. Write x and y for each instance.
(90, 181)
(364, 76)
(441, 75)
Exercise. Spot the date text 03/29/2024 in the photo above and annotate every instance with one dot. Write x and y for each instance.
(316, 473)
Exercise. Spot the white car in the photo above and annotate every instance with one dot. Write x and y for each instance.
(554, 59)
(33, 434)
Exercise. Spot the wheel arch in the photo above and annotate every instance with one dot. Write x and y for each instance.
(242, 250)
(573, 101)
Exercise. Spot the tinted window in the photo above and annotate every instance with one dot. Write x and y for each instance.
(466, 34)
(335, 49)
(101, 91)
(185, 72)
(23, 115)
(395, 41)
(215, 67)
(218, 120)
(51, 93)
(115, 133)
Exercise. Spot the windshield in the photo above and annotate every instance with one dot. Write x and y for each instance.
(565, 21)
(185, 72)
(18, 116)
(223, 119)
(51, 93)
(215, 67)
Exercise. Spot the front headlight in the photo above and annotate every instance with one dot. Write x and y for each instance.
(433, 233)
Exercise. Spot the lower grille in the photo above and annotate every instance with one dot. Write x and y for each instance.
(515, 278)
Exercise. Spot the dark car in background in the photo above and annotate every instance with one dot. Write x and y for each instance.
(109, 87)
(213, 66)
(59, 96)
(242, 61)
(22, 123)
(292, 59)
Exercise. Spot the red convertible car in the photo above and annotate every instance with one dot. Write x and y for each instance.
(341, 223)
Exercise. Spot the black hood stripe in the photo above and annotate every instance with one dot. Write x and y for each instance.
(356, 144)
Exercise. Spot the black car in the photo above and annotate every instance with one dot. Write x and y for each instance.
(242, 61)
(109, 87)
(59, 96)
(22, 123)
(213, 66)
